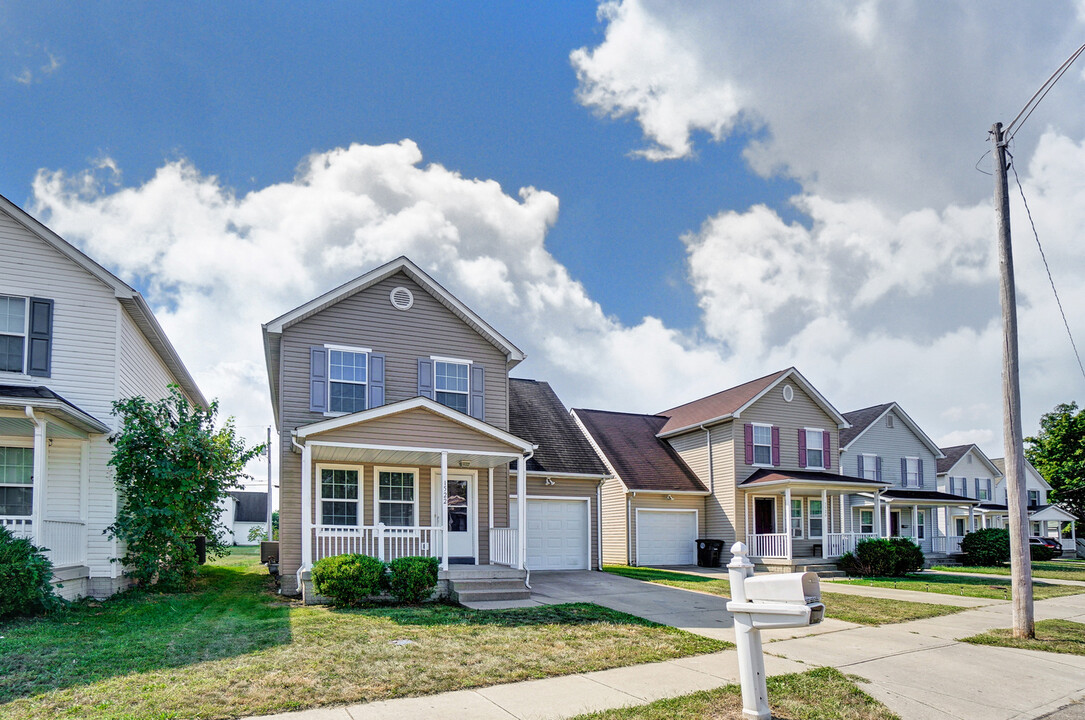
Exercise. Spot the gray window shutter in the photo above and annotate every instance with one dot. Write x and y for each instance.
(878, 468)
(952, 486)
(318, 379)
(40, 339)
(904, 472)
(990, 490)
(802, 448)
(425, 378)
(919, 463)
(977, 495)
(376, 380)
(859, 457)
(478, 392)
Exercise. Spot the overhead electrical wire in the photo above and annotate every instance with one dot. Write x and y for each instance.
(1039, 95)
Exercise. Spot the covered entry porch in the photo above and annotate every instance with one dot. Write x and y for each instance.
(923, 516)
(801, 515)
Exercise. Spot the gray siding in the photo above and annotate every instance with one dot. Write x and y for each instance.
(891, 444)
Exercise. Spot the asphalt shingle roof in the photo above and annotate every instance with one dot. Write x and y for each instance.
(251, 506)
(536, 414)
(952, 455)
(768, 475)
(716, 405)
(642, 460)
(860, 420)
(899, 494)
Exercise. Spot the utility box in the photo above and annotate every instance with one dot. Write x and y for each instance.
(708, 552)
(269, 551)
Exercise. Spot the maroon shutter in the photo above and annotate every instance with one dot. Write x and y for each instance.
(749, 444)
(775, 445)
(826, 441)
(802, 448)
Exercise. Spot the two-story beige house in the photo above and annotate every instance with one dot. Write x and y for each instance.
(758, 462)
(392, 399)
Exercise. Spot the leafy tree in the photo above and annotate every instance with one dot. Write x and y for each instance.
(172, 469)
(1058, 452)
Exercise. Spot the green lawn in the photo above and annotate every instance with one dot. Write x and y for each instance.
(1040, 569)
(849, 608)
(967, 586)
(821, 694)
(233, 648)
(1061, 636)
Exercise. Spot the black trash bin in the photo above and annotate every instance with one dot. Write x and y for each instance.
(708, 552)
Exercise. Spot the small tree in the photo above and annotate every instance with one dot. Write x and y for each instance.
(1058, 453)
(172, 469)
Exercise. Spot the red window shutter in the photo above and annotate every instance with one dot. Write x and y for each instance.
(802, 448)
(775, 445)
(826, 441)
(749, 444)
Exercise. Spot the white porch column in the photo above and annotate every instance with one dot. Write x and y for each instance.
(843, 515)
(826, 526)
(306, 507)
(877, 513)
(521, 512)
(444, 509)
(787, 522)
(915, 523)
(746, 508)
(888, 522)
(37, 498)
(971, 518)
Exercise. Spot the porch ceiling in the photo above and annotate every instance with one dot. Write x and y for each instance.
(415, 457)
(23, 427)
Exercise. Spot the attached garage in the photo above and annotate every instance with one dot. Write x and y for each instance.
(666, 537)
(558, 532)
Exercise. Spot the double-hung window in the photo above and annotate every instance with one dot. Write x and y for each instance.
(921, 524)
(451, 384)
(866, 522)
(396, 497)
(340, 496)
(911, 472)
(1033, 497)
(348, 374)
(16, 480)
(796, 518)
(816, 514)
(981, 488)
(762, 445)
(815, 448)
(870, 466)
(13, 330)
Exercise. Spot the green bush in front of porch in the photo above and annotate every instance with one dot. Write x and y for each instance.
(351, 579)
(989, 546)
(883, 557)
(25, 578)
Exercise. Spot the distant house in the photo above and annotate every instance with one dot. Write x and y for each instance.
(73, 339)
(243, 510)
(1045, 519)
(965, 470)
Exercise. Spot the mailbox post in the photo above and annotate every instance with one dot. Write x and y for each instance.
(773, 601)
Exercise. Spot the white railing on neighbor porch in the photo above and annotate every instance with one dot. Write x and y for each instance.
(18, 526)
(946, 545)
(503, 546)
(839, 543)
(379, 541)
(768, 545)
(65, 540)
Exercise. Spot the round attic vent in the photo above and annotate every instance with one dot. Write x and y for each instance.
(789, 393)
(402, 298)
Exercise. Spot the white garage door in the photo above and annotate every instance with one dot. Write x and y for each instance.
(666, 537)
(557, 534)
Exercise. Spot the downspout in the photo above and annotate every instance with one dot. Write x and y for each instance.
(304, 520)
(629, 528)
(521, 510)
(599, 522)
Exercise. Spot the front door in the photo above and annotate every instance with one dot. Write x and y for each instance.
(764, 515)
(960, 526)
(462, 514)
(894, 523)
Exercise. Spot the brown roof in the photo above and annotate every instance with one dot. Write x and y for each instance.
(642, 460)
(860, 420)
(720, 404)
(536, 414)
(770, 475)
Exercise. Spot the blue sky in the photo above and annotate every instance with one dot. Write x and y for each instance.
(720, 190)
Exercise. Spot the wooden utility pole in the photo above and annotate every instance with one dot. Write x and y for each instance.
(269, 528)
(1024, 624)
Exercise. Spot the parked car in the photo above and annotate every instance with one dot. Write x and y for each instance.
(1046, 542)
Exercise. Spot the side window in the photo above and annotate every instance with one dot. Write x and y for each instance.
(13, 330)
(911, 472)
(1033, 497)
(451, 384)
(16, 481)
(796, 518)
(340, 497)
(866, 522)
(815, 518)
(921, 524)
(762, 444)
(348, 373)
(981, 489)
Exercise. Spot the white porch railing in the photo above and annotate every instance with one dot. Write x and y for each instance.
(379, 541)
(18, 526)
(946, 545)
(65, 541)
(768, 545)
(839, 543)
(503, 546)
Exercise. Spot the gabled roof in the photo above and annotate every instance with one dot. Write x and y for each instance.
(954, 454)
(730, 403)
(126, 295)
(906, 494)
(251, 506)
(643, 461)
(537, 415)
(1000, 463)
(775, 476)
(863, 420)
(273, 330)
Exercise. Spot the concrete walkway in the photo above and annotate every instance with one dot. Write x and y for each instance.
(992, 576)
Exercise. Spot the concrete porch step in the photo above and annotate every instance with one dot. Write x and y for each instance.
(484, 584)
(469, 584)
(490, 595)
(482, 572)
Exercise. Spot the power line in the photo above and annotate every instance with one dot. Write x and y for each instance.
(1040, 94)
(1047, 267)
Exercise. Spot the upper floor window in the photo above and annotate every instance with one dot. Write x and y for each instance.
(983, 488)
(912, 474)
(762, 445)
(348, 373)
(451, 384)
(1033, 497)
(868, 466)
(12, 333)
(814, 447)
(16, 480)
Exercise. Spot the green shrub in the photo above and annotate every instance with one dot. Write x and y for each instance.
(1042, 552)
(882, 557)
(25, 578)
(413, 579)
(986, 548)
(349, 579)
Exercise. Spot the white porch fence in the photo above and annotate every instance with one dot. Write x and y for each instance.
(379, 541)
(839, 543)
(65, 540)
(769, 545)
(503, 546)
(943, 545)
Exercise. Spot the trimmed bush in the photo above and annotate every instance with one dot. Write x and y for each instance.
(25, 578)
(883, 557)
(413, 579)
(1042, 552)
(349, 579)
(986, 548)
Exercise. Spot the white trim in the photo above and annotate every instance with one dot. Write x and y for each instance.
(564, 498)
(801, 518)
(22, 371)
(873, 465)
(810, 516)
(459, 361)
(408, 448)
(606, 461)
(465, 393)
(973, 448)
(753, 443)
(377, 469)
(788, 393)
(859, 510)
(360, 469)
(348, 348)
(753, 528)
(918, 479)
(696, 524)
(412, 404)
(821, 448)
(328, 374)
(437, 494)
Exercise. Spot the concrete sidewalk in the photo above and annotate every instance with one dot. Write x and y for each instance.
(993, 576)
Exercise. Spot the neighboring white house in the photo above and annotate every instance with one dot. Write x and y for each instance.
(241, 511)
(1045, 520)
(73, 339)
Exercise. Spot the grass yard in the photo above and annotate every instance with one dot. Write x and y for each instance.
(967, 586)
(1049, 569)
(1061, 636)
(233, 648)
(821, 694)
(849, 608)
